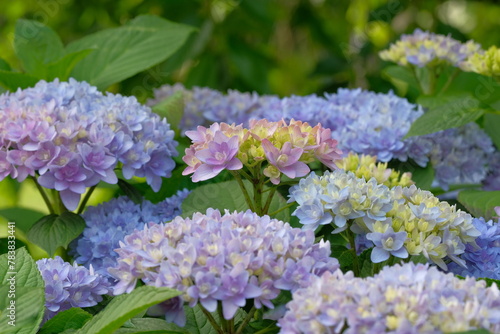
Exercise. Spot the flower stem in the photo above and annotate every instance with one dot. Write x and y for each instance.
(44, 195)
(86, 199)
(224, 322)
(269, 200)
(279, 210)
(246, 320)
(355, 260)
(243, 189)
(449, 81)
(212, 320)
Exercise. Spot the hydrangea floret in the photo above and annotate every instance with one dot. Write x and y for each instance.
(408, 298)
(68, 286)
(68, 136)
(108, 223)
(224, 260)
(400, 221)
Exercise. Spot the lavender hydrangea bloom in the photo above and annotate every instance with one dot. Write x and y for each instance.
(226, 259)
(110, 222)
(68, 286)
(482, 260)
(73, 136)
(410, 298)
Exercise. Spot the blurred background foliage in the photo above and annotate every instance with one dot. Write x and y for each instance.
(279, 47)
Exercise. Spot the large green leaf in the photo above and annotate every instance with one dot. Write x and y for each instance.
(453, 113)
(14, 80)
(492, 126)
(22, 283)
(24, 218)
(53, 231)
(228, 195)
(423, 177)
(73, 318)
(150, 326)
(62, 67)
(480, 203)
(122, 52)
(124, 307)
(36, 44)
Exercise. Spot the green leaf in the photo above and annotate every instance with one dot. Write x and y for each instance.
(454, 113)
(197, 322)
(401, 74)
(36, 44)
(53, 231)
(151, 326)
(474, 331)
(62, 68)
(480, 203)
(122, 52)
(14, 80)
(491, 126)
(124, 307)
(130, 191)
(423, 177)
(4, 65)
(27, 273)
(228, 195)
(28, 287)
(24, 218)
(172, 108)
(74, 318)
(29, 309)
(4, 245)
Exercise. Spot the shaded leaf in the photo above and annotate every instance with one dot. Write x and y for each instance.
(480, 203)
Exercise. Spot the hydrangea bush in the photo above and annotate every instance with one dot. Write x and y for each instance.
(340, 212)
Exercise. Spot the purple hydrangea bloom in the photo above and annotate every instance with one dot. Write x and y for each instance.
(68, 286)
(110, 222)
(409, 298)
(226, 259)
(73, 136)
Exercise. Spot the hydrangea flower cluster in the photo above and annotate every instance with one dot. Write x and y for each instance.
(485, 63)
(110, 222)
(424, 48)
(222, 258)
(367, 167)
(286, 147)
(409, 298)
(73, 136)
(400, 221)
(374, 123)
(458, 155)
(204, 106)
(482, 260)
(68, 286)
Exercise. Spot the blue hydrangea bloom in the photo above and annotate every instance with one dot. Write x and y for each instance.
(483, 260)
(68, 286)
(110, 222)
